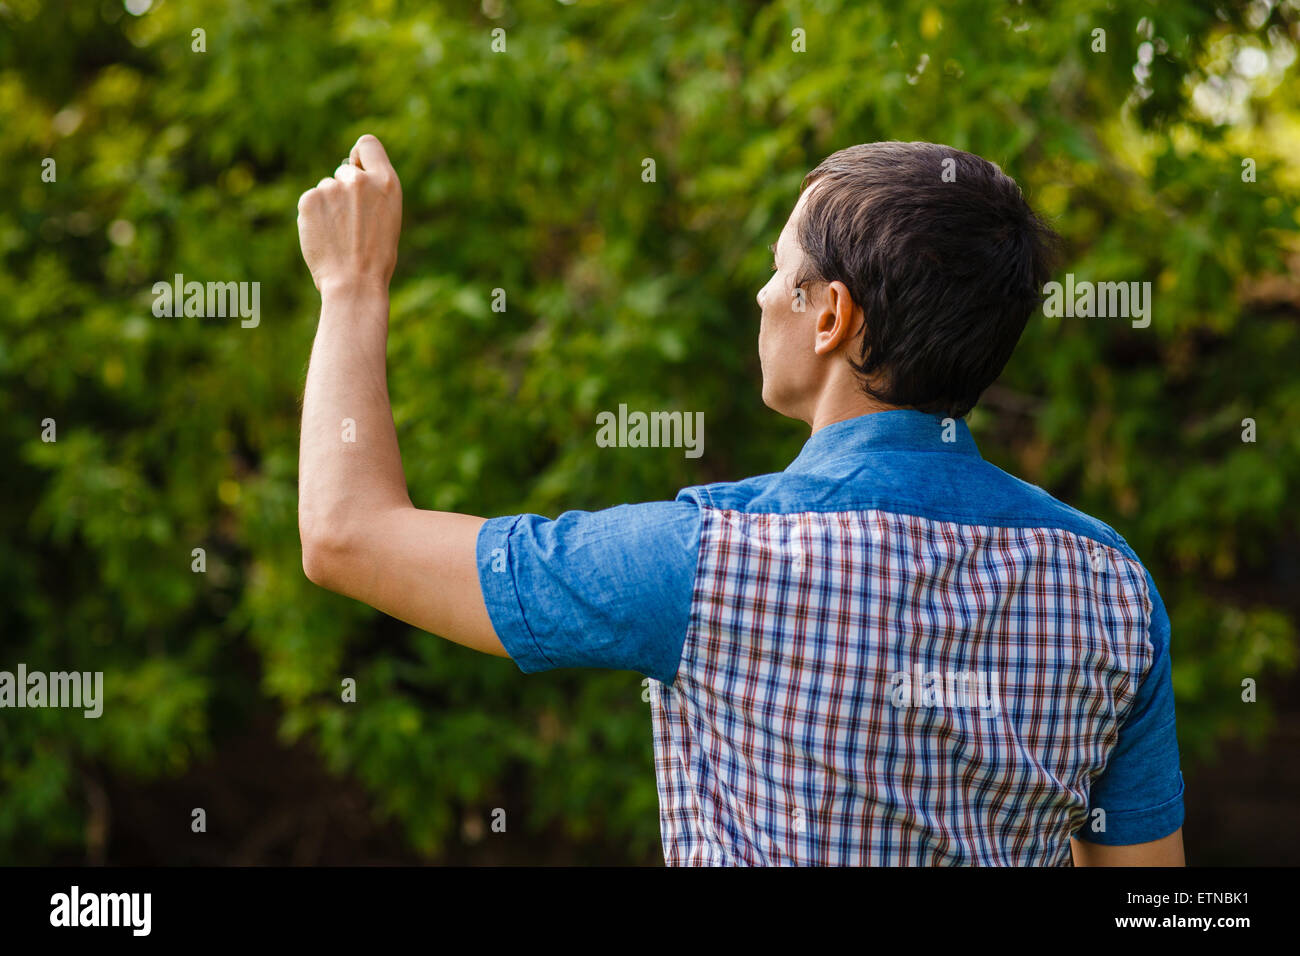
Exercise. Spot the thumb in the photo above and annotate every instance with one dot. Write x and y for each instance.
(369, 154)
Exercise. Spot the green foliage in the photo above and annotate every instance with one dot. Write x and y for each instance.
(523, 171)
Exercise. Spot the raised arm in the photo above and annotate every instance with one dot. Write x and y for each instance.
(361, 536)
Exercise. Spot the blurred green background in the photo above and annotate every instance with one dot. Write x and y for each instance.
(522, 171)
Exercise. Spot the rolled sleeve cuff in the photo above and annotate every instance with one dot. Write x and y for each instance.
(1127, 827)
(497, 579)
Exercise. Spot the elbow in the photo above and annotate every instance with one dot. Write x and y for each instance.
(315, 563)
(323, 555)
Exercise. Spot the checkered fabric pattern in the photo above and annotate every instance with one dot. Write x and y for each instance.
(813, 719)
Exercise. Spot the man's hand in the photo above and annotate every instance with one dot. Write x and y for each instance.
(348, 225)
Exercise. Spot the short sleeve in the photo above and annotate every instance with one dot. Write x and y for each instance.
(1141, 788)
(607, 589)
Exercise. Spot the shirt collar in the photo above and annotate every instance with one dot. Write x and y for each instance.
(900, 429)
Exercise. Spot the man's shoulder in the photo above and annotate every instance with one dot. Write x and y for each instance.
(1041, 505)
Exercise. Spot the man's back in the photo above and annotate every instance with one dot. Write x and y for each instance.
(890, 653)
(899, 654)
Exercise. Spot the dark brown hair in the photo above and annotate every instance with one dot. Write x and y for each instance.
(946, 260)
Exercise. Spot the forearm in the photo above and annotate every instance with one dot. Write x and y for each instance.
(361, 536)
(350, 467)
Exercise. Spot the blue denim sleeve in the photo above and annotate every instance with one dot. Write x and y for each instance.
(1141, 787)
(605, 588)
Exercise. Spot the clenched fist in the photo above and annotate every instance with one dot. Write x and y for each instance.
(348, 225)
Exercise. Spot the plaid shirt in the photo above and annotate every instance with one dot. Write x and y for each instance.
(891, 653)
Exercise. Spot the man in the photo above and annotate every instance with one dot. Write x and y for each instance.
(891, 652)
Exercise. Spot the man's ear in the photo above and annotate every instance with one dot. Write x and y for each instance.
(838, 319)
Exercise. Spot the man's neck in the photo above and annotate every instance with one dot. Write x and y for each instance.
(832, 409)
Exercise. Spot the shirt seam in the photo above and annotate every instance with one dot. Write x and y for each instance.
(972, 452)
(519, 607)
(956, 517)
